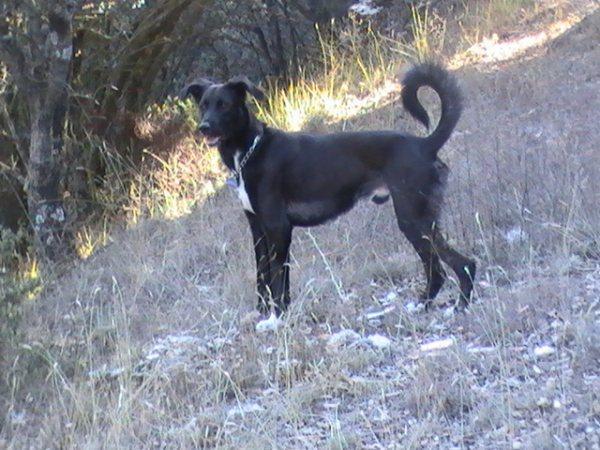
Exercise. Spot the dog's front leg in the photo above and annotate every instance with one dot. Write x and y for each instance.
(261, 252)
(279, 245)
(279, 236)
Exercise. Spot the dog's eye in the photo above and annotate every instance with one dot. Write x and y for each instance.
(220, 104)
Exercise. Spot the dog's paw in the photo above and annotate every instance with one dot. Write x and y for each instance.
(270, 324)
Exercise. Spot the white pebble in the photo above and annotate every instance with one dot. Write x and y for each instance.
(379, 341)
(412, 307)
(379, 314)
(449, 312)
(242, 410)
(437, 345)
(343, 337)
(543, 402)
(389, 298)
(544, 350)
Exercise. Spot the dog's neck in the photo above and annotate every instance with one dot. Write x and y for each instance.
(241, 142)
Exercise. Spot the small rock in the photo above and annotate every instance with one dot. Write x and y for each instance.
(543, 402)
(449, 312)
(365, 8)
(413, 308)
(477, 350)
(556, 404)
(379, 314)
(544, 350)
(344, 337)
(514, 234)
(242, 410)
(379, 341)
(437, 345)
(288, 364)
(517, 445)
(106, 373)
(551, 383)
(17, 418)
(389, 298)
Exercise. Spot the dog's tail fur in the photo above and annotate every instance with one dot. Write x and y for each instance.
(444, 84)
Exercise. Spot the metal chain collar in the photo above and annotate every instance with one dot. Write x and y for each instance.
(238, 171)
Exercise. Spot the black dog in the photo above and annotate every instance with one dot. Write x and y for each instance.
(300, 179)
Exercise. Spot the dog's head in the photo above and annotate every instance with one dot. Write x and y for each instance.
(223, 110)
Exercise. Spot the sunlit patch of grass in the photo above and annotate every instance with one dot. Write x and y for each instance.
(31, 277)
(355, 74)
(493, 49)
(427, 36)
(420, 32)
(481, 18)
(89, 239)
(18, 285)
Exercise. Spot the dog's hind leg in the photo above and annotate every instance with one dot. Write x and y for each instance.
(418, 223)
(434, 271)
(463, 267)
(418, 231)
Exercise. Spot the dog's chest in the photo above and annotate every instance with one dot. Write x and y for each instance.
(241, 186)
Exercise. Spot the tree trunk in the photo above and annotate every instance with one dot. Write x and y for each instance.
(48, 107)
(44, 202)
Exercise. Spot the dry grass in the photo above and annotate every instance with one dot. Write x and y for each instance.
(150, 342)
(354, 79)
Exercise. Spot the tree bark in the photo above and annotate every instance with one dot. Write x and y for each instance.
(44, 203)
(48, 114)
(38, 53)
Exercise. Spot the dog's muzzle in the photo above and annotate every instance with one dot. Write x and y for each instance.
(210, 137)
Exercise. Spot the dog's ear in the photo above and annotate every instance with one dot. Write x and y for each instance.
(196, 89)
(243, 85)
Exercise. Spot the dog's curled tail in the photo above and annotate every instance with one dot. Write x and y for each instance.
(444, 84)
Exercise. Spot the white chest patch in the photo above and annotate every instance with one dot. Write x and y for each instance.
(241, 189)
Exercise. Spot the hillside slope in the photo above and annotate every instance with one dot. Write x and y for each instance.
(151, 343)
